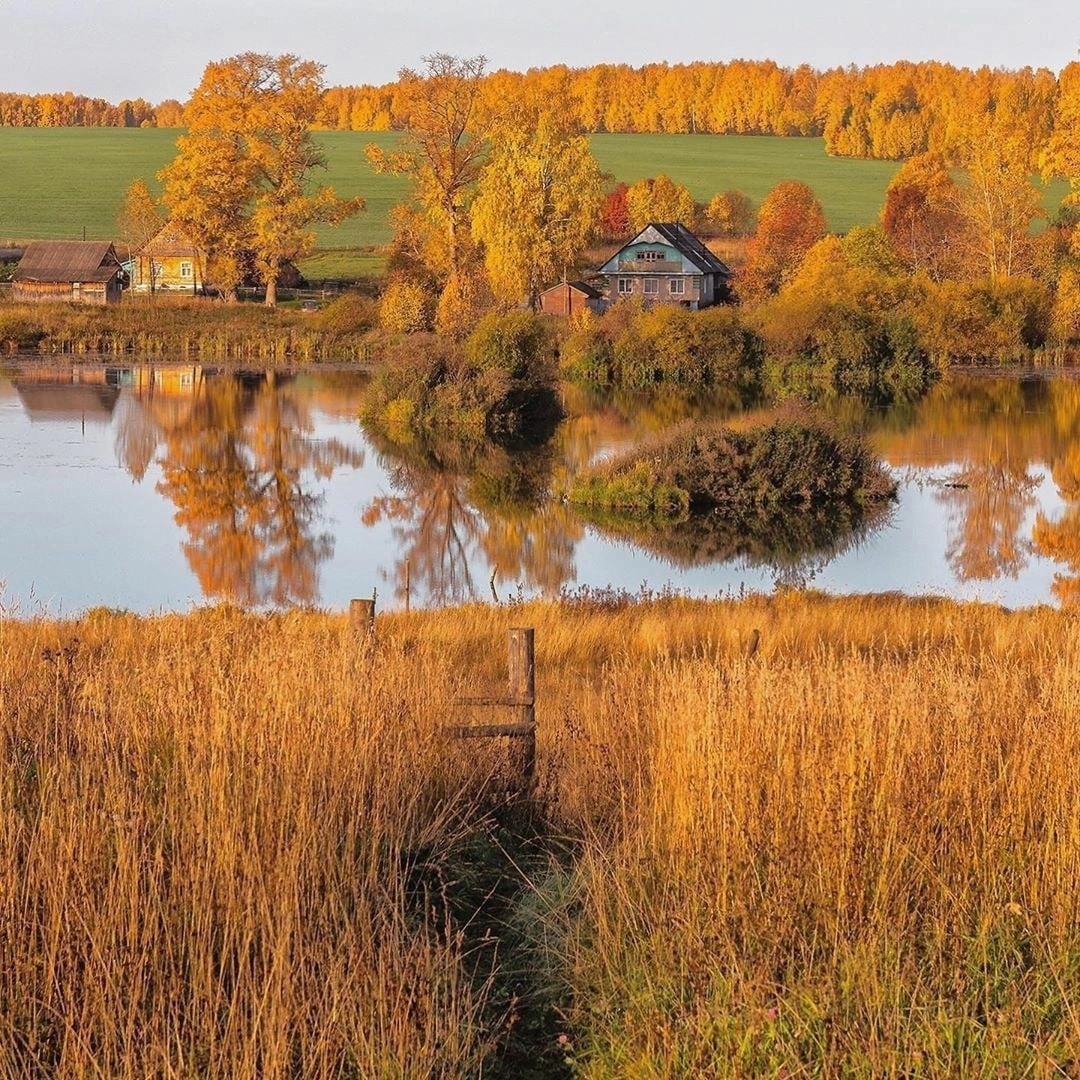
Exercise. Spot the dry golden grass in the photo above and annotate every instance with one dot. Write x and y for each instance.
(227, 842)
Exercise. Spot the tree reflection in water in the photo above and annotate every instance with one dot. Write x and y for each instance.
(237, 461)
(456, 504)
(989, 503)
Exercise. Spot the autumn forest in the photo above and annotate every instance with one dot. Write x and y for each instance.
(884, 111)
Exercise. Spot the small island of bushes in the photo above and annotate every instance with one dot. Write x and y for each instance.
(795, 461)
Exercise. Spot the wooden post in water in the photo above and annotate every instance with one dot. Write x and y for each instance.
(523, 693)
(362, 617)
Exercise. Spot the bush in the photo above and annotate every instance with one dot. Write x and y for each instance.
(818, 345)
(637, 348)
(983, 321)
(500, 383)
(516, 344)
(406, 307)
(19, 331)
(350, 313)
(797, 461)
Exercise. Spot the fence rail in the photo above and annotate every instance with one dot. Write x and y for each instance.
(520, 695)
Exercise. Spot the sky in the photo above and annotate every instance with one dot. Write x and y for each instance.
(117, 49)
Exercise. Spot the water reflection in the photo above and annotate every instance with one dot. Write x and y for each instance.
(456, 505)
(243, 462)
(996, 437)
(235, 452)
(795, 547)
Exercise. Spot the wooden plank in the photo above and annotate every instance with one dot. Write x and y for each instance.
(495, 699)
(488, 731)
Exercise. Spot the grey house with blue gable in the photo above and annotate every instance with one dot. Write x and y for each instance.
(667, 264)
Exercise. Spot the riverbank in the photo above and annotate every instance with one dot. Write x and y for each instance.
(777, 834)
(187, 329)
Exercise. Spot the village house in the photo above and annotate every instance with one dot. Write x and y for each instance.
(80, 271)
(666, 263)
(170, 261)
(571, 298)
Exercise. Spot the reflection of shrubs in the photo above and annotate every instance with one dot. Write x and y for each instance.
(501, 382)
(637, 348)
(791, 543)
(794, 462)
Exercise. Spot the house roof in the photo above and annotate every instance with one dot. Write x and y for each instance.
(170, 241)
(68, 260)
(579, 286)
(45, 401)
(684, 241)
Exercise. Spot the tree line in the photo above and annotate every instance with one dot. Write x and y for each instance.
(68, 109)
(886, 111)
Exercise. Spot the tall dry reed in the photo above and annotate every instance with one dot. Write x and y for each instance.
(229, 843)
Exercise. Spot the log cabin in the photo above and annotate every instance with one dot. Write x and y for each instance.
(77, 271)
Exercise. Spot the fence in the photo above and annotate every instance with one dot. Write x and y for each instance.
(520, 695)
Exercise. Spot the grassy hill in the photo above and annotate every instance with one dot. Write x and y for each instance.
(64, 183)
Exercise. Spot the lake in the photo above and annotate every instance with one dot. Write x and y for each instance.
(153, 487)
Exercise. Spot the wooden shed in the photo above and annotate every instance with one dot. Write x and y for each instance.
(81, 271)
(570, 297)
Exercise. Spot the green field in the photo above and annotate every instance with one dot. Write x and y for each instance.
(64, 183)
(851, 190)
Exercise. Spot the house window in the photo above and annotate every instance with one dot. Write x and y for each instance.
(626, 285)
(651, 256)
(185, 269)
(676, 286)
(651, 286)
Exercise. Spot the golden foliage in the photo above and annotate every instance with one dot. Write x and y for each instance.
(537, 204)
(241, 180)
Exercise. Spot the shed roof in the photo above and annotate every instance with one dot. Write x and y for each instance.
(579, 286)
(68, 260)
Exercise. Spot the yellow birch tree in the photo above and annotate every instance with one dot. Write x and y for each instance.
(537, 204)
(240, 184)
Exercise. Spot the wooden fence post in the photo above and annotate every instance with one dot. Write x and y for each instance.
(523, 692)
(520, 697)
(362, 617)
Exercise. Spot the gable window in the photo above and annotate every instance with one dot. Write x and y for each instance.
(651, 256)
(651, 286)
(676, 286)
(626, 285)
(185, 269)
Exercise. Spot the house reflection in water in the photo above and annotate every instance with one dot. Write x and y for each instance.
(237, 459)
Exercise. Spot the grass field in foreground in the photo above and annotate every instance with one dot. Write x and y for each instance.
(236, 845)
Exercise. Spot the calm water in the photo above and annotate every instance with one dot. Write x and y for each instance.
(159, 487)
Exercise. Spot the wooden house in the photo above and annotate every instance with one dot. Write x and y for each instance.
(571, 297)
(667, 263)
(80, 271)
(170, 262)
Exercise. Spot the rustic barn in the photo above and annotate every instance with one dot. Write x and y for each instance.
(571, 297)
(81, 271)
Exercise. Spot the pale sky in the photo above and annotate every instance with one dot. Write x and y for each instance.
(118, 49)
